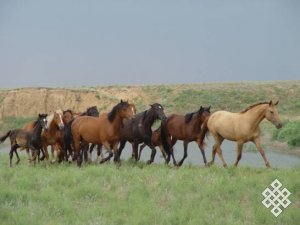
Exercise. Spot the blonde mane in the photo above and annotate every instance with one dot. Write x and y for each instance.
(252, 106)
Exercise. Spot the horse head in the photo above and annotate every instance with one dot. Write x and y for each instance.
(158, 111)
(272, 114)
(42, 119)
(92, 111)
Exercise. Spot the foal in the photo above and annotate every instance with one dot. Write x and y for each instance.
(26, 140)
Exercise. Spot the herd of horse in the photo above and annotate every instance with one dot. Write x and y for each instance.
(75, 135)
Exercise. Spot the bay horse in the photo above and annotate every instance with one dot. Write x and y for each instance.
(103, 130)
(240, 127)
(68, 139)
(186, 128)
(20, 138)
(138, 130)
(156, 142)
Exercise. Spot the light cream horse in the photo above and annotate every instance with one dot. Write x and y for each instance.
(240, 127)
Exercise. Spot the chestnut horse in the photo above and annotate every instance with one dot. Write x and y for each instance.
(20, 138)
(240, 127)
(186, 128)
(53, 135)
(104, 130)
(156, 141)
(68, 139)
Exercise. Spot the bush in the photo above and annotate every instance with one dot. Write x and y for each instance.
(290, 133)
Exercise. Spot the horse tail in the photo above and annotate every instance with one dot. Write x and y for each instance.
(164, 137)
(203, 132)
(3, 138)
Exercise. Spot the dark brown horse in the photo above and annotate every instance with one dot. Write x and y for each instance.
(186, 128)
(104, 130)
(138, 130)
(156, 142)
(23, 139)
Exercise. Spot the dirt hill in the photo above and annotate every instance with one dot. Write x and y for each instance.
(28, 102)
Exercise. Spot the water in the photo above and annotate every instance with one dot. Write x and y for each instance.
(251, 159)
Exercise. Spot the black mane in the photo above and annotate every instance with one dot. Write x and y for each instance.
(112, 114)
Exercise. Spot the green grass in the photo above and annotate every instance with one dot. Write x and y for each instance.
(141, 194)
(290, 133)
(11, 122)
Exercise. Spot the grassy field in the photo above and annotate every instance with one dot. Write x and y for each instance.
(141, 194)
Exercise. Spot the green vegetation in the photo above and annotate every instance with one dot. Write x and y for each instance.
(141, 194)
(11, 122)
(290, 133)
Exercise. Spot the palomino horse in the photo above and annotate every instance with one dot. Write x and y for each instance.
(240, 127)
(104, 130)
(20, 138)
(138, 130)
(156, 141)
(53, 135)
(186, 128)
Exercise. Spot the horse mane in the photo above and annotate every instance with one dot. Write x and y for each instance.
(252, 106)
(49, 119)
(188, 117)
(112, 114)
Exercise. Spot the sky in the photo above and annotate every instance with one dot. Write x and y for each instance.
(61, 43)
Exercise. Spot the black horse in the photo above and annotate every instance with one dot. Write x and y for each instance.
(138, 130)
(20, 138)
(68, 138)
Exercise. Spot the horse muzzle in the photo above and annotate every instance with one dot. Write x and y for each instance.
(278, 125)
(61, 126)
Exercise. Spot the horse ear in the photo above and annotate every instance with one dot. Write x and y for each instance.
(208, 109)
(201, 108)
(270, 103)
(276, 103)
(151, 105)
(121, 101)
(40, 115)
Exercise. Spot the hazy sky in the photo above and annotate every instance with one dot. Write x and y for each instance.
(74, 43)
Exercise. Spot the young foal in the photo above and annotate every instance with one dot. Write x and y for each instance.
(26, 140)
(240, 127)
(104, 130)
(186, 128)
(138, 130)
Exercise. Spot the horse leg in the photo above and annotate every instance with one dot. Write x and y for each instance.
(43, 154)
(203, 153)
(262, 152)
(90, 152)
(28, 154)
(185, 147)
(220, 154)
(52, 154)
(163, 152)
(239, 152)
(173, 142)
(18, 158)
(110, 153)
(141, 149)
(118, 155)
(214, 151)
(11, 153)
(99, 152)
(153, 153)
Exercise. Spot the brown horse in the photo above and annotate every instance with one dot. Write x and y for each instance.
(186, 128)
(156, 141)
(23, 139)
(104, 130)
(240, 127)
(53, 135)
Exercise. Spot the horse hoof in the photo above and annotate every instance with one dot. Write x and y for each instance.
(149, 162)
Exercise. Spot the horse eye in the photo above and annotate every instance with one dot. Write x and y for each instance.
(271, 112)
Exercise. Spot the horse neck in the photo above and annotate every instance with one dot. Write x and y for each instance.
(256, 115)
(116, 123)
(37, 131)
(53, 127)
(149, 119)
(196, 123)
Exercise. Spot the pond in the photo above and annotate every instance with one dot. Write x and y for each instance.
(249, 158)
